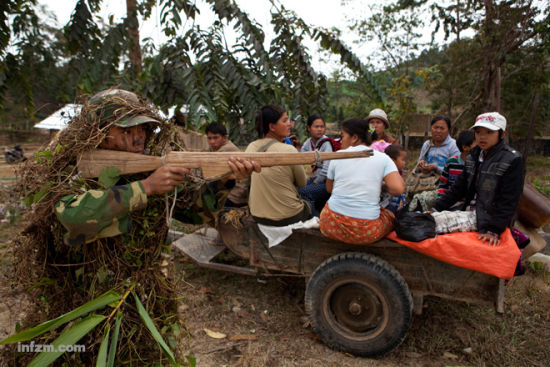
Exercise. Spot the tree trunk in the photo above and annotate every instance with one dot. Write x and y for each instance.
(491, 95)
(530, 130)
(133, 33)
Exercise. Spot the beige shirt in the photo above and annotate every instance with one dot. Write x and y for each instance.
(273, 193)
(239, 193)
(228, 146)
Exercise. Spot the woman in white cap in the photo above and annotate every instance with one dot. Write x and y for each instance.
(492, 177)
(378, 119)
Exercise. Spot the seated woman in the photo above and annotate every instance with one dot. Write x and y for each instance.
(425, 200)
(435, 152)
(315, 192)
(273, 198)
(353, 214)
(431, 161)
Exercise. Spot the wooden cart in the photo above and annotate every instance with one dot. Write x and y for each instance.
(359, 299)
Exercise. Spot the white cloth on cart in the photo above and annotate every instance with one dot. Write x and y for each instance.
(276, 235)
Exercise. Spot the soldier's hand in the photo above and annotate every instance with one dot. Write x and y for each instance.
(242, 168)
(164, 179)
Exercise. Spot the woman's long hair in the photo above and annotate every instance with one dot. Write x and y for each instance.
(359, 127)
(266, 115)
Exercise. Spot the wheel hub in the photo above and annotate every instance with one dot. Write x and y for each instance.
(356, 307)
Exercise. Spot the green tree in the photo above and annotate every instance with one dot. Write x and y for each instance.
(396, 31)
(471, 72)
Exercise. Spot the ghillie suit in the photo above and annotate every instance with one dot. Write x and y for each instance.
(122, 254)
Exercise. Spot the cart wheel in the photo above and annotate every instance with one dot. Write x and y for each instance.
(358, 303)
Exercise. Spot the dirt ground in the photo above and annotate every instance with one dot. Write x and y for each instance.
(270, 312)
(264, 320)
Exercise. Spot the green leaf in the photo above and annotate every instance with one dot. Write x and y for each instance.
(88, 307)
(114, 341)
(109, 176)
(153, 329)
(69, 337)
(43, 191)
(191, 360)
(102, 354)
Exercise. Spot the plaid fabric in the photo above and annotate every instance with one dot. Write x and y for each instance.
(457, 221)
(354, 230)
(423, 201)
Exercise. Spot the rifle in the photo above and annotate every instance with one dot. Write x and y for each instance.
(213, 164)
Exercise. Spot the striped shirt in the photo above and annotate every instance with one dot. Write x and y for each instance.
(453, 168)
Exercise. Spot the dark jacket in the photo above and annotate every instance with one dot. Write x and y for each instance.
(498, 183)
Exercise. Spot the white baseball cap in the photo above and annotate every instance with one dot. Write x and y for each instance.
(491, 120)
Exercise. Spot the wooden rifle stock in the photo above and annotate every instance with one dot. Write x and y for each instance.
(214, 165)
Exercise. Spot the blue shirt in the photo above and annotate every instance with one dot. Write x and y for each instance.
(358, 183)
(438, 155)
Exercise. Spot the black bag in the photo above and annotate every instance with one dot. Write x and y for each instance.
(414, 226)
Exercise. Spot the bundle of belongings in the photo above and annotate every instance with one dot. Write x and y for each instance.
(465, 250)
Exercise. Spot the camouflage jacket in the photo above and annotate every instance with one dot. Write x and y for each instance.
(97, 214)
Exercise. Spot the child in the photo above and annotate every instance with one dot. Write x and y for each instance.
(398, 154)
(493, 177)
(455, 165)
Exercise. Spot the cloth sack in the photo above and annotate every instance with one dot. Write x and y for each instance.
(414, 226)
(417, 181)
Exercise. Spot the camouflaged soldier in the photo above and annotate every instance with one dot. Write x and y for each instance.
(97, 214)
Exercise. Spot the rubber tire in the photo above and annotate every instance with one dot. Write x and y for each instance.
(373, 276)
(9, 159)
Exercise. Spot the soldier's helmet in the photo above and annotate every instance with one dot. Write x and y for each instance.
(122, 105)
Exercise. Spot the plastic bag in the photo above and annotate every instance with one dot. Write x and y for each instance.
(414, 226)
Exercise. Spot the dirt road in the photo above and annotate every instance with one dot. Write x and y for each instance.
(7, 171)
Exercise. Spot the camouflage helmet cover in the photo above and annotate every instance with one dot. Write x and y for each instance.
(117, 102)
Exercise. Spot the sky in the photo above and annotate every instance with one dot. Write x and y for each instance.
(319, 13)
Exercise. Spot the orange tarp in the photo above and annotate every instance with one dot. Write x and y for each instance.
(465, 250)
